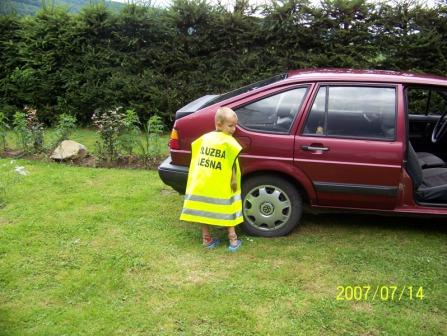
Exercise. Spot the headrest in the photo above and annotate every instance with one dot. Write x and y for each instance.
(284, 111)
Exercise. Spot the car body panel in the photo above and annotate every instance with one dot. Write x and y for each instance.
(351, 163)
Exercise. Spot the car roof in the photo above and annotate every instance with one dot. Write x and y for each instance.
(355, 75)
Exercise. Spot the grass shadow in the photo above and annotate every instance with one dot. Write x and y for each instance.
(6, 326)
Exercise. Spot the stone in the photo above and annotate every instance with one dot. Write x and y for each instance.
(69, 150)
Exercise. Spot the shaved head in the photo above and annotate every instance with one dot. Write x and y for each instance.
(226, 120)
(223, 114)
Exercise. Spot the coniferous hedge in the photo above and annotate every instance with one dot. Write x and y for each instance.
(155, 60)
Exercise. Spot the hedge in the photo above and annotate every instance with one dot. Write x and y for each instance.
(155, 60)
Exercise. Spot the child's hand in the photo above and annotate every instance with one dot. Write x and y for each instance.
(233, 179)
(234, 186)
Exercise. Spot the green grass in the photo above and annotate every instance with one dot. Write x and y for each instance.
(101, 252)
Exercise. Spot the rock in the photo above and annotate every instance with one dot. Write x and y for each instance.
(69, 150)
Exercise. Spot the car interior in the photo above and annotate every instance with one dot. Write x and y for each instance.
(427, 146)
(366, 124)
(430, 184)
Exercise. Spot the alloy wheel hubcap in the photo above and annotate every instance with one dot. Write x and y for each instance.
(267, 207)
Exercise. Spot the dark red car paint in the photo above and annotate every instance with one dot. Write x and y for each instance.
(348, 161)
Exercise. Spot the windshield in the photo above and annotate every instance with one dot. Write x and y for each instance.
(247, 88)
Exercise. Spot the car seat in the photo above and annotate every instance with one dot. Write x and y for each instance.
(285, 118)
(428, 160)
(430, 185)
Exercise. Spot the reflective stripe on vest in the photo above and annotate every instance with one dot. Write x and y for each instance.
(213, 200)
(212, 215)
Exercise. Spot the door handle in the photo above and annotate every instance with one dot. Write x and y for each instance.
(314, 148)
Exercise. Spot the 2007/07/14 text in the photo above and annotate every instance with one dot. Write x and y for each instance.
(379, 293)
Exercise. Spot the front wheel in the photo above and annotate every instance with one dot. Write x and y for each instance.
(272, 206)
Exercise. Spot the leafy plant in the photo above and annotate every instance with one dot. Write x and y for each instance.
(21, 130)
(128, 138)
(65, 125)
(35, 129)
(28, 130)
(3, 131)
(151, 144)
(109, 125)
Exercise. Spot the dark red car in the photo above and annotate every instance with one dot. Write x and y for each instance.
(371, 141)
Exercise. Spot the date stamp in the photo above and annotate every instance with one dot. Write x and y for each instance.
(379, 293)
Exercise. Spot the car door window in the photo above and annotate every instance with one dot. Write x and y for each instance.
(272, 114)
(425, 101)
(354, 112)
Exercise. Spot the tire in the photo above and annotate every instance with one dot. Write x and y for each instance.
(272, 206)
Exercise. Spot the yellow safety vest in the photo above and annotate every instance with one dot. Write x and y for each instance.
(209, 198)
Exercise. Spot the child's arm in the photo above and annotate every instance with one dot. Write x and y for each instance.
(233, 178)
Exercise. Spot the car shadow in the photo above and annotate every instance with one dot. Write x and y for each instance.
(401, 223)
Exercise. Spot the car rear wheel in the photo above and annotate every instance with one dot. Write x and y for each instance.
(272, 206)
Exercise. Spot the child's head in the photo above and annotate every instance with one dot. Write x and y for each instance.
(226, 120)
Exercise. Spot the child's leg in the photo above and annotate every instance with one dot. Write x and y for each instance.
(232, 236)
(234, 242)
(208, 241)
(206, 237)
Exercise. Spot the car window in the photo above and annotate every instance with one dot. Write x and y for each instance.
(426, 101)
(417, 100)
(245, 89)
(272, 114)
(353, 111)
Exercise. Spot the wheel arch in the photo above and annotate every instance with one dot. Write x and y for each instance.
(296, 183)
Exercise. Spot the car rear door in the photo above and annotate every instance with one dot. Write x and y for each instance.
(349, 145)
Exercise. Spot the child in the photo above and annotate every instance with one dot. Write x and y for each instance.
(213, 192)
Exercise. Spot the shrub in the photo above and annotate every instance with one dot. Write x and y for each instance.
(3, 131)
(64, 127)
(35, 129)
(21, 130)
(28, 130)
(128, 138)
(109, 124)
(151, 145)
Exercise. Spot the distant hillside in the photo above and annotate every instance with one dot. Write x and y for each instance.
(30, 7)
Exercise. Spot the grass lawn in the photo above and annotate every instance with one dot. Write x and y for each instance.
(101, 252)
